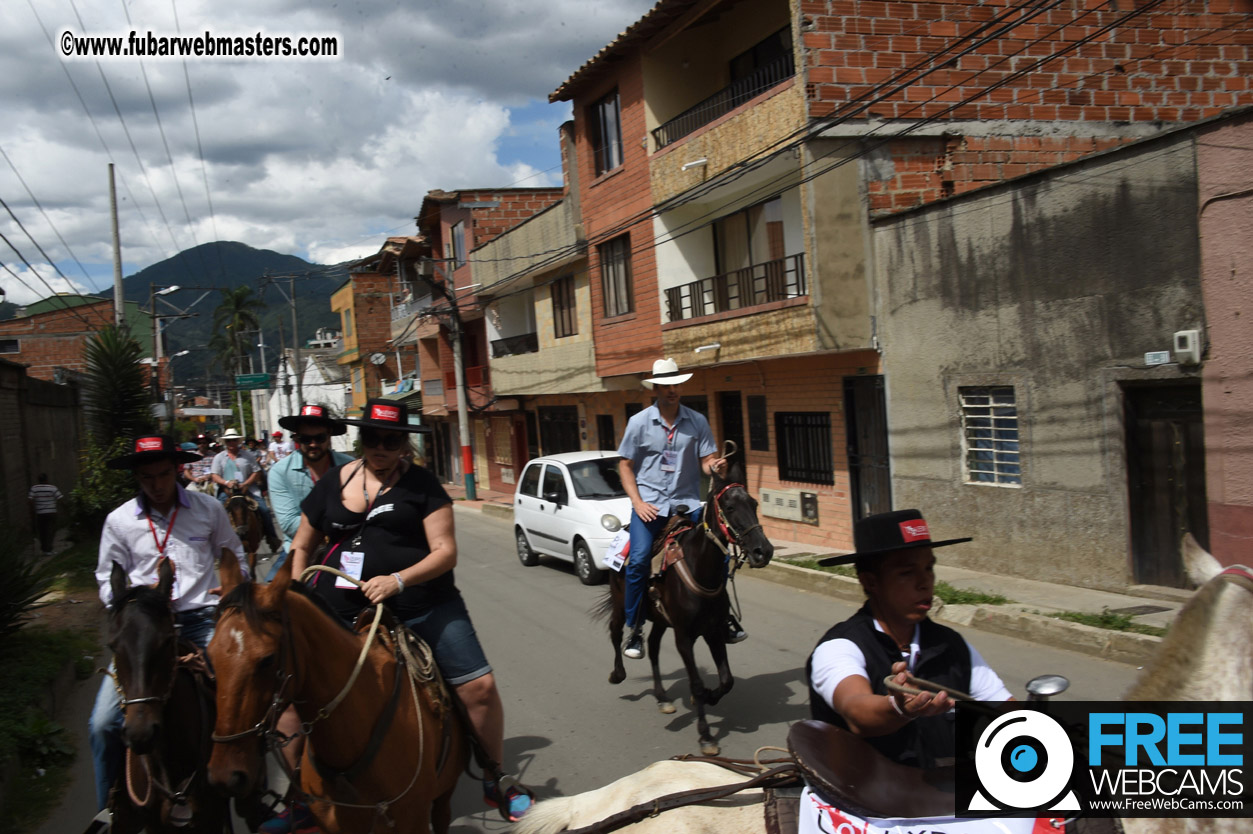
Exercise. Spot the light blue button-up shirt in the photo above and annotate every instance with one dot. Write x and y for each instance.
(289, 482)
(644, 442)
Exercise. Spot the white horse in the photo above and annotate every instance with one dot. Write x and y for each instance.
(1205, 657)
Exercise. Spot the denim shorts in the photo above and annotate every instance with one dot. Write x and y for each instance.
(447, 629)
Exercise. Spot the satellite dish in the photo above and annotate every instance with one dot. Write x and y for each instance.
(378, 358)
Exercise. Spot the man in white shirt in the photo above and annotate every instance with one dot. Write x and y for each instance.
(43, 498)
(892, 635)
(235, 467)
(164, 521)
(280, 448)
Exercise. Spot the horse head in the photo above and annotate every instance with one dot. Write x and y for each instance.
(240, 507)
(247, 653)
(736, 511)
(145, 652)
(1204, 656)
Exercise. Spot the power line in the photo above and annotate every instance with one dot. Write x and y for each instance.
(53, 293)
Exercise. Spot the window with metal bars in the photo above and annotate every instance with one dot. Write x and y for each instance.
(804, 446)
(990, 439)
(565, 316)
(615, 276)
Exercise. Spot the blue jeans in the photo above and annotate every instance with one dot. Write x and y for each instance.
(637, 568)
(104, 728)
(277, 564)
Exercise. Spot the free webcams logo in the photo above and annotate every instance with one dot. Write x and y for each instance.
(1025, 761)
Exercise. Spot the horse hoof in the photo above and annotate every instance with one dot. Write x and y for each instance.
(709, 748)
(666, 707)
(617, 677)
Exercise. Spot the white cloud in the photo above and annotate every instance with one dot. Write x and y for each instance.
(306, 157)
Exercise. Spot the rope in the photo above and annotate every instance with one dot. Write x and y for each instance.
(916, 686)
(325, 711)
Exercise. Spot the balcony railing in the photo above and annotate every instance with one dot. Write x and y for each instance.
(751, 286)
(724, 101)
(514, 345)
(404, 309)
(476, 376)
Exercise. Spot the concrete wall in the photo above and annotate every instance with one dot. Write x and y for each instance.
(1057, 285)
(1225, 168)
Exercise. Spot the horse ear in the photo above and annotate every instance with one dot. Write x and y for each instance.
(229, 572)
(1201, 566)
(165, 577)
(282, 579)
(118, 582)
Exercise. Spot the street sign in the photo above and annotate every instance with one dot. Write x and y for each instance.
(247, 381)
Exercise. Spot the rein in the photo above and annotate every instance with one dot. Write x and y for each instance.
(732, 540)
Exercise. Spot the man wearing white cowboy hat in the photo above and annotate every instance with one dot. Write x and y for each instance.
(665, 449)
(164, 521)
(236, 467)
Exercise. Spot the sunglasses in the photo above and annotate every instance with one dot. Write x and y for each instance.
(307, 439)
(390, 442)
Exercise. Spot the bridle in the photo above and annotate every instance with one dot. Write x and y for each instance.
(1240, 575)
(125, 702)
(731, 538)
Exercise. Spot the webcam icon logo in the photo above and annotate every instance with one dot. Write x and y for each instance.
(1024, 761)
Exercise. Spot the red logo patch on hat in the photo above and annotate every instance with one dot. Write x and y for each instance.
(312, 411)
(915, 530)
(148, 444)
(389, 413)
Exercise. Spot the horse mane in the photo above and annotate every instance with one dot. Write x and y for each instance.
(244, 598)
(1178, 658)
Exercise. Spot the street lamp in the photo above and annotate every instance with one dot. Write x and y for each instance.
(169, 391)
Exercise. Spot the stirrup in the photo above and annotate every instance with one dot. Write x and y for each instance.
(505, 791)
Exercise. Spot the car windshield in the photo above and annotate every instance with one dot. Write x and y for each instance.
(597, 479)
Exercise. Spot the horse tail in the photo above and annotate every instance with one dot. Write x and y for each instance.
(549, 816)
(603, 609)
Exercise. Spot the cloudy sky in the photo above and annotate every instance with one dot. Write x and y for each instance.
(316, 158)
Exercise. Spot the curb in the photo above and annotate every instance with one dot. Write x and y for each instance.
(504, 511)
(1120, 646)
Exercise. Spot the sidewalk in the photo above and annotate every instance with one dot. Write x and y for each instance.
(1024, 617)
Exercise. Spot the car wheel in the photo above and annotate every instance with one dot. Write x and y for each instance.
(526, 555)
(585, 565)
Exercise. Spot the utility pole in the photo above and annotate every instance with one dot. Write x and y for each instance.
(463, 405)
(295, 339)
(119, 299)
(283, 363)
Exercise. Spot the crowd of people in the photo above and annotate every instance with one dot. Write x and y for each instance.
(385, 520)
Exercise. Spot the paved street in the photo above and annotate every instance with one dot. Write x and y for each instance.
(569, 731)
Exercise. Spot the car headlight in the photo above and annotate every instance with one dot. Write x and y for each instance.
(610, 522)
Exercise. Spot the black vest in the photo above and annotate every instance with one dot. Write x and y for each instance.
(943, 658)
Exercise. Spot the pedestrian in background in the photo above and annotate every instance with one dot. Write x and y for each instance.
(43, 498)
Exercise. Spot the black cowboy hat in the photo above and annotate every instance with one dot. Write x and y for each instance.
(389, 415)
(150, 448)
(883, 533)
(314, 413)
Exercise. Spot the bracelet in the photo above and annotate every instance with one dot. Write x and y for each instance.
(399, 581)
(897, 708)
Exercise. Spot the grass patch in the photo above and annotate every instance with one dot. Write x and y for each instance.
(32, 795)
(1108, 620)
(943, 591)
(76, 568)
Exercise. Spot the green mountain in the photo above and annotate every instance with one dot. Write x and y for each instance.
(213, 266)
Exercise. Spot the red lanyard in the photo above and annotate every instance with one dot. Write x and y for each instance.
(162, 542)
(670, 433)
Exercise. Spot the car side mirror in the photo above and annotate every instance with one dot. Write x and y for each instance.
(554, 497)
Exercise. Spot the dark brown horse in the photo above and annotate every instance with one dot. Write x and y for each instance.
(246, 519)
(169, 714)
(384, 750)
(691, 596)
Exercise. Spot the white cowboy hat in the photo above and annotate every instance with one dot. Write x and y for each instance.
(666, 372)
(231, 434)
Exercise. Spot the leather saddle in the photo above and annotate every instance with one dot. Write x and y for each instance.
(666, 547)
(853, 775)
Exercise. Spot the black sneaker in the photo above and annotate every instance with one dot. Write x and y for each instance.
(735, 633)
(634, 648)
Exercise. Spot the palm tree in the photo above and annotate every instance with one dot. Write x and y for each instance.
(117, 394)
(237, 315)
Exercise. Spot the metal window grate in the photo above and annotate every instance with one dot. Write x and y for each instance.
(990, 439)
(804, 446)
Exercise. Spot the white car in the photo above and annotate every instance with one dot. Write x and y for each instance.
(570, 506)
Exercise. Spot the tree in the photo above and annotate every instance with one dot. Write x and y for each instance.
(234, 318)
(116, 388)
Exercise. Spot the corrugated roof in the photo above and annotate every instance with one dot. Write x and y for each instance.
(658, 18)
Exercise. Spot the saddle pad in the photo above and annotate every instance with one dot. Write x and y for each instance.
(817, 816)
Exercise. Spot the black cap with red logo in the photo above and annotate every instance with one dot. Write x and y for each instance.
(390, 415)
(150, 448)
(313, 413)
(888, 532)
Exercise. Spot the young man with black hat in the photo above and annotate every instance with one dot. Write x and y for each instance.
(294, 475)
(164, 521)
(892, 635)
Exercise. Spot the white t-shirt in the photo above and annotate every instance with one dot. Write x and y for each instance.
(282, 449)
(837, 659)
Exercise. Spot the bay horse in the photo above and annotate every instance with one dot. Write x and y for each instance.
(246, 519)
(1204, 657)
(691, 596)
(168, 709)
(384, 752)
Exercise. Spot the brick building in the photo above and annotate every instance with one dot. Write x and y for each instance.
(50, 334)
(364, 304)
